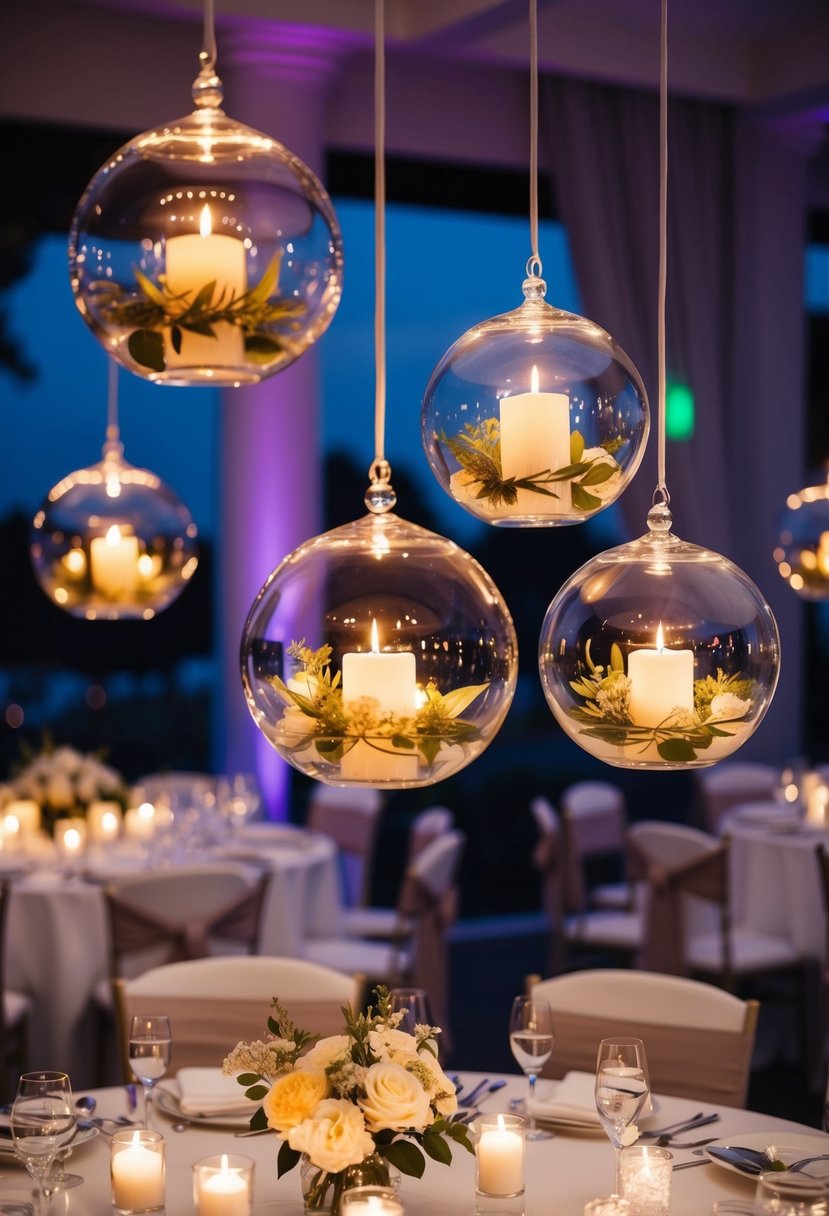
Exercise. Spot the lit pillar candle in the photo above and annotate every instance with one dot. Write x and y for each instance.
(137, 1172)
(535, 435)
(27, 813)
(645, 1179)
(103, 820)
(370, 1201)
(70, 837)
(114, 563)
(823, 553)
(661, 680)
(222, 1192)
(391, 679)
(11, 831)
(191, 262)
(500, 1160)
(139, 821)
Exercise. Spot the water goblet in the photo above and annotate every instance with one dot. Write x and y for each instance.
(414, 1004)
(787, 1194)
(149, 1052)
(42, 1122)
(622, 1089)
(238, 798)
(531, 1040)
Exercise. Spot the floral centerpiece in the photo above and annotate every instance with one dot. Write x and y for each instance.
(63, 782)
(354, 1107)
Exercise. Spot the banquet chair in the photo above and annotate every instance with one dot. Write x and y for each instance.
(819, 1061)
(698, 1038)
(213, 1003)
(15, 1008)
(351, 817)
(427, 826)
(594, 824)
(416, 952)
(726, 785)
(546, 859)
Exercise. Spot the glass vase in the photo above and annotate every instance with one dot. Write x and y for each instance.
(322, 1190)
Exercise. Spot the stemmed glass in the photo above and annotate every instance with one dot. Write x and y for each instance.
(238, 797)
(532, 1040)
(42, 1122)
(414, 1004)
(150, 1047)
(622, 1089)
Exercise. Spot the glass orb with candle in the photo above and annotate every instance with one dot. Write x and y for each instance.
(659, 654)
(113, 542)
(535, 418)
(802, 549)
(379, 654)
(204, 252)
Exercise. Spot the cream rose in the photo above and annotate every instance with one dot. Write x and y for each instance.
(334, 1137)
(294, 1098)
(441, 1089)
(395, 1045)
(395, 1099)
(727, 708)
(325, 1052)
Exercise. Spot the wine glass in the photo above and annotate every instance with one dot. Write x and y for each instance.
(42, 1122)
(150, 1046)
(531, 1039)
(239, 798)
(787, 1194)
(414, 1005)
(622, 1089)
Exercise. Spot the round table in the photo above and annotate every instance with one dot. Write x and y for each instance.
(561, 1174)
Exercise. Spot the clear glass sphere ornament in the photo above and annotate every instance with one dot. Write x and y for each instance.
(113, 542)
(802, 549)
(659, 654)
(204, 252)
(535, 418)
(379, 654)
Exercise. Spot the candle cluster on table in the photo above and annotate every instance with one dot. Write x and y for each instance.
(223, 1185)
(499, 1154)
(645, 1174)
(138, 1171)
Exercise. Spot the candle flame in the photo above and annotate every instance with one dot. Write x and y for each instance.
(534, 379)
(136, 1139)
(113, 535)
(660, 639)
(146, 810)
(108, 821)
(501, 1124)
(11, 824)
(205, 221)
(72, 838)
(375, 638)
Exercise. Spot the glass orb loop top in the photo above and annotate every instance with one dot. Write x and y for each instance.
(379, 654)
(205, 252)
(113, 542)
(659, 653)
(802, 549)
(535, 418)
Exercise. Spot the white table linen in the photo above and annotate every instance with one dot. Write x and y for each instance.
(562, 1174)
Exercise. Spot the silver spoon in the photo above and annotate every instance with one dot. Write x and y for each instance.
(85, 1104)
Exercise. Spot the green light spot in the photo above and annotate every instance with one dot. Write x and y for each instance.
(679, 412)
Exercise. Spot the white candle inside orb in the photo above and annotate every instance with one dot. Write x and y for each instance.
(391, 679)
(661, 680)
(535, 435)
(114, 563)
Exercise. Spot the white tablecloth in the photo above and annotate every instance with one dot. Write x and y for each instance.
(57, 942)
(561, 1174)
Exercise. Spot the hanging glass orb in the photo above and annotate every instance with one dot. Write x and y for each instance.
(205, 252)
(113, 542)
(659, 654)
(535, 418)
(379, 654)
(802, 550)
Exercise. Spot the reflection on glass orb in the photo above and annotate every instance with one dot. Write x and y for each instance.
(802, 549)
(535, 418)
(379, 654)
(113, 542)
(659, 654)
(204, 252)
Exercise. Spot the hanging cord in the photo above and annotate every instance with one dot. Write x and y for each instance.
(661, 492)
(379, 235)
(207, 55)
(113, 431)
(534, 267)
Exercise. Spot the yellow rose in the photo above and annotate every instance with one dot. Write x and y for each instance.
(325, 1052)
(335, 1137)
(394, 1099)
(294, 1098)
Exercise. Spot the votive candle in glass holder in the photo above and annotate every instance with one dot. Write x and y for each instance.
(137, 1170)
(370, 1201)
(104, 821)
(223, 1185)
(608, 1205)
(27, 813)
(70, 838)
(787, 1194)
(645, 1174)
(499, 1154)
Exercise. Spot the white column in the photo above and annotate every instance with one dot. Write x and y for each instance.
(277, 79)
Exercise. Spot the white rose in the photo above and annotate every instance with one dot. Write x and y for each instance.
(604, 489)
(395, 1099)
(726, 708)
(393, 1045)
(441, 1089)
(85, 788)
(335, 1136)
(325, 1052)
(66, 760)
(59, 792)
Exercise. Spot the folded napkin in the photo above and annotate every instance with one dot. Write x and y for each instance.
(206, 1091)
(572, 1100)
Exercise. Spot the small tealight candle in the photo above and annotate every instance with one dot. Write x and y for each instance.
(370, 1201)
(645, 1176)
(137, 1170)
(499, 1154)
(223, 1186)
